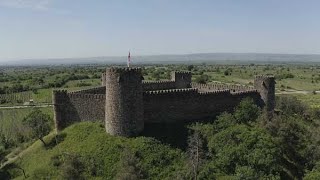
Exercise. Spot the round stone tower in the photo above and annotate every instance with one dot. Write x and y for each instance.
(266, 87)
(124, 103)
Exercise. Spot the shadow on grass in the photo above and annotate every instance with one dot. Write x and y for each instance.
(10, 171)
(56, 140)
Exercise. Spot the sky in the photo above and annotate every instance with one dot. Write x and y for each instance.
(32, 29)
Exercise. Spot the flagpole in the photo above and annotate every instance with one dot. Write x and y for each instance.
(129, 59)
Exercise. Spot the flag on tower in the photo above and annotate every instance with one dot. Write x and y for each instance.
(129, 59)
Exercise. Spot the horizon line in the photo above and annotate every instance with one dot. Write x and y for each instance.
(141, 55)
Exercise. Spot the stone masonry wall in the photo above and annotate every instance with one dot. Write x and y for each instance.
(189, 104)
(124, 101)
(70, 108)
(217, 86)
(158, 85)
(95, 90)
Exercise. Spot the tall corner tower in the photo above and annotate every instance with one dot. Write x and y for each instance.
(265, 85)
(124, 102)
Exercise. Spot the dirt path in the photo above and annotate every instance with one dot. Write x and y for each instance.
(21, 107)
(295, 92)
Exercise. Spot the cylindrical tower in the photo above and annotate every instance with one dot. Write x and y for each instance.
(266, 87)
(124, 103)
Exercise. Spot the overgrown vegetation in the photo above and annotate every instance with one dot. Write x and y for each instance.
(245, 144)
(38, 124)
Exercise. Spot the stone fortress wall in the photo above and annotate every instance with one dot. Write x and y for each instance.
(125, 102)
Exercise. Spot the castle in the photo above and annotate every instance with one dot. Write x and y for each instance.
(125, 102)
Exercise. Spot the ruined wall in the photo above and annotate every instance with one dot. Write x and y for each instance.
(70, 108)
(158, 85)
(189, 104)
(218, 86)
(95, 90)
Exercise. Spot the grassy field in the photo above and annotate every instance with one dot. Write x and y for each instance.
(76, 83)
(11, 121)
(313, 100)
(82, 139)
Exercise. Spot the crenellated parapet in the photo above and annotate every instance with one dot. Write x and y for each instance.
(216, 92)
(87, 96)
(157, 85)
(219, 86)
(123, 70)
(59, 92)
(173, 92)
(157, 82)
(244, 92)
(95, 90)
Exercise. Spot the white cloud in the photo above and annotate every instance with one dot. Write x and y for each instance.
(42, 5)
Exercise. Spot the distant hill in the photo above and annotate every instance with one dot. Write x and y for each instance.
(185, 58)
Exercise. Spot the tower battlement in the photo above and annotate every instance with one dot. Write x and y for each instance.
(123, 70)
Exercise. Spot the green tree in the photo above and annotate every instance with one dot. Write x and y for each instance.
(128, 167)
(202, 79)
(247, 111)
(190, 67)
(38, 123)
(314, 174)
(241, 150)
(196, 152)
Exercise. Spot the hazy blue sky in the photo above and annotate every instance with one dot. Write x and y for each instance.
(86, 28)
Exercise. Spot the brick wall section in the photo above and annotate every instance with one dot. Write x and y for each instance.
(70, 108)
(189, 104)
